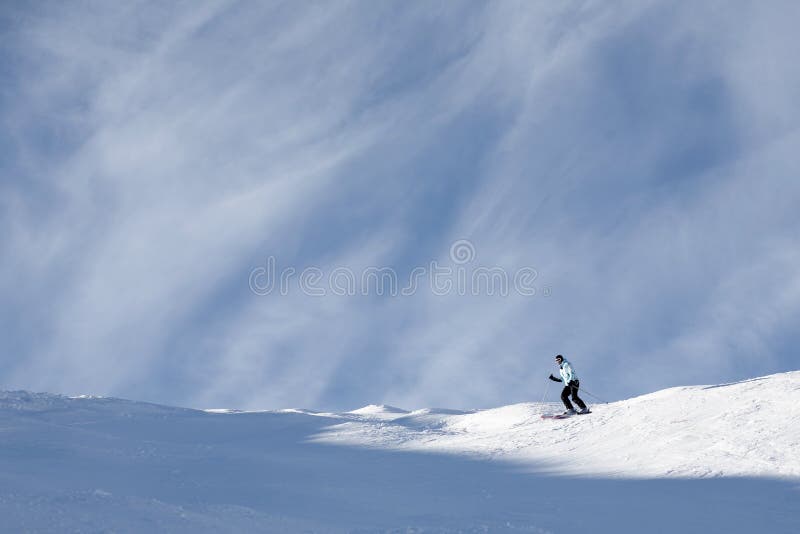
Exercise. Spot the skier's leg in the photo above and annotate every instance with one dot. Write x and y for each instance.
(565, 397)
(575, 397)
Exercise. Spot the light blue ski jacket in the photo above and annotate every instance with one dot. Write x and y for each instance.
(567, 372)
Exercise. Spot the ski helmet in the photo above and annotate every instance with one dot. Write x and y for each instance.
(559, 358)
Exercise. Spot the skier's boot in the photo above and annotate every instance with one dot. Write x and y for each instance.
(570, 412)
(584, 410)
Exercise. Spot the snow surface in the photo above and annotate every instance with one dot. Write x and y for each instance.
(705, 459)
(750, 428)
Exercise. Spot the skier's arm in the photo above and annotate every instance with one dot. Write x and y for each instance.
(554, 379)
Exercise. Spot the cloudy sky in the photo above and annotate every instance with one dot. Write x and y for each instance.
(641, 157)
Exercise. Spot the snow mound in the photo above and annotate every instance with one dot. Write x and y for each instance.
(438, 411)
(379, 411)
(26, 401)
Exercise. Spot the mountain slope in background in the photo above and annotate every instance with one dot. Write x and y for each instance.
(693, 459)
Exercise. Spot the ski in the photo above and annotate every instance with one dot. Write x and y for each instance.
(561, 415)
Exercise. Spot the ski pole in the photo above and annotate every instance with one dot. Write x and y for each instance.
(592, 395)
(546, 389)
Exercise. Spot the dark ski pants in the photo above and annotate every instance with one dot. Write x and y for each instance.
(572, 388)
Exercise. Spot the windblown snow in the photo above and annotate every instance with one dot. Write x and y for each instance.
(722, 458)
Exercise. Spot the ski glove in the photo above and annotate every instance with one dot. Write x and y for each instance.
(554, 379)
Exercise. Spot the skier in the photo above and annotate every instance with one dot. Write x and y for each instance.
(571, 385)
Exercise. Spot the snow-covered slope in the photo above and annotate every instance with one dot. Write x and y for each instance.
(691, 459)
(750, 428)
